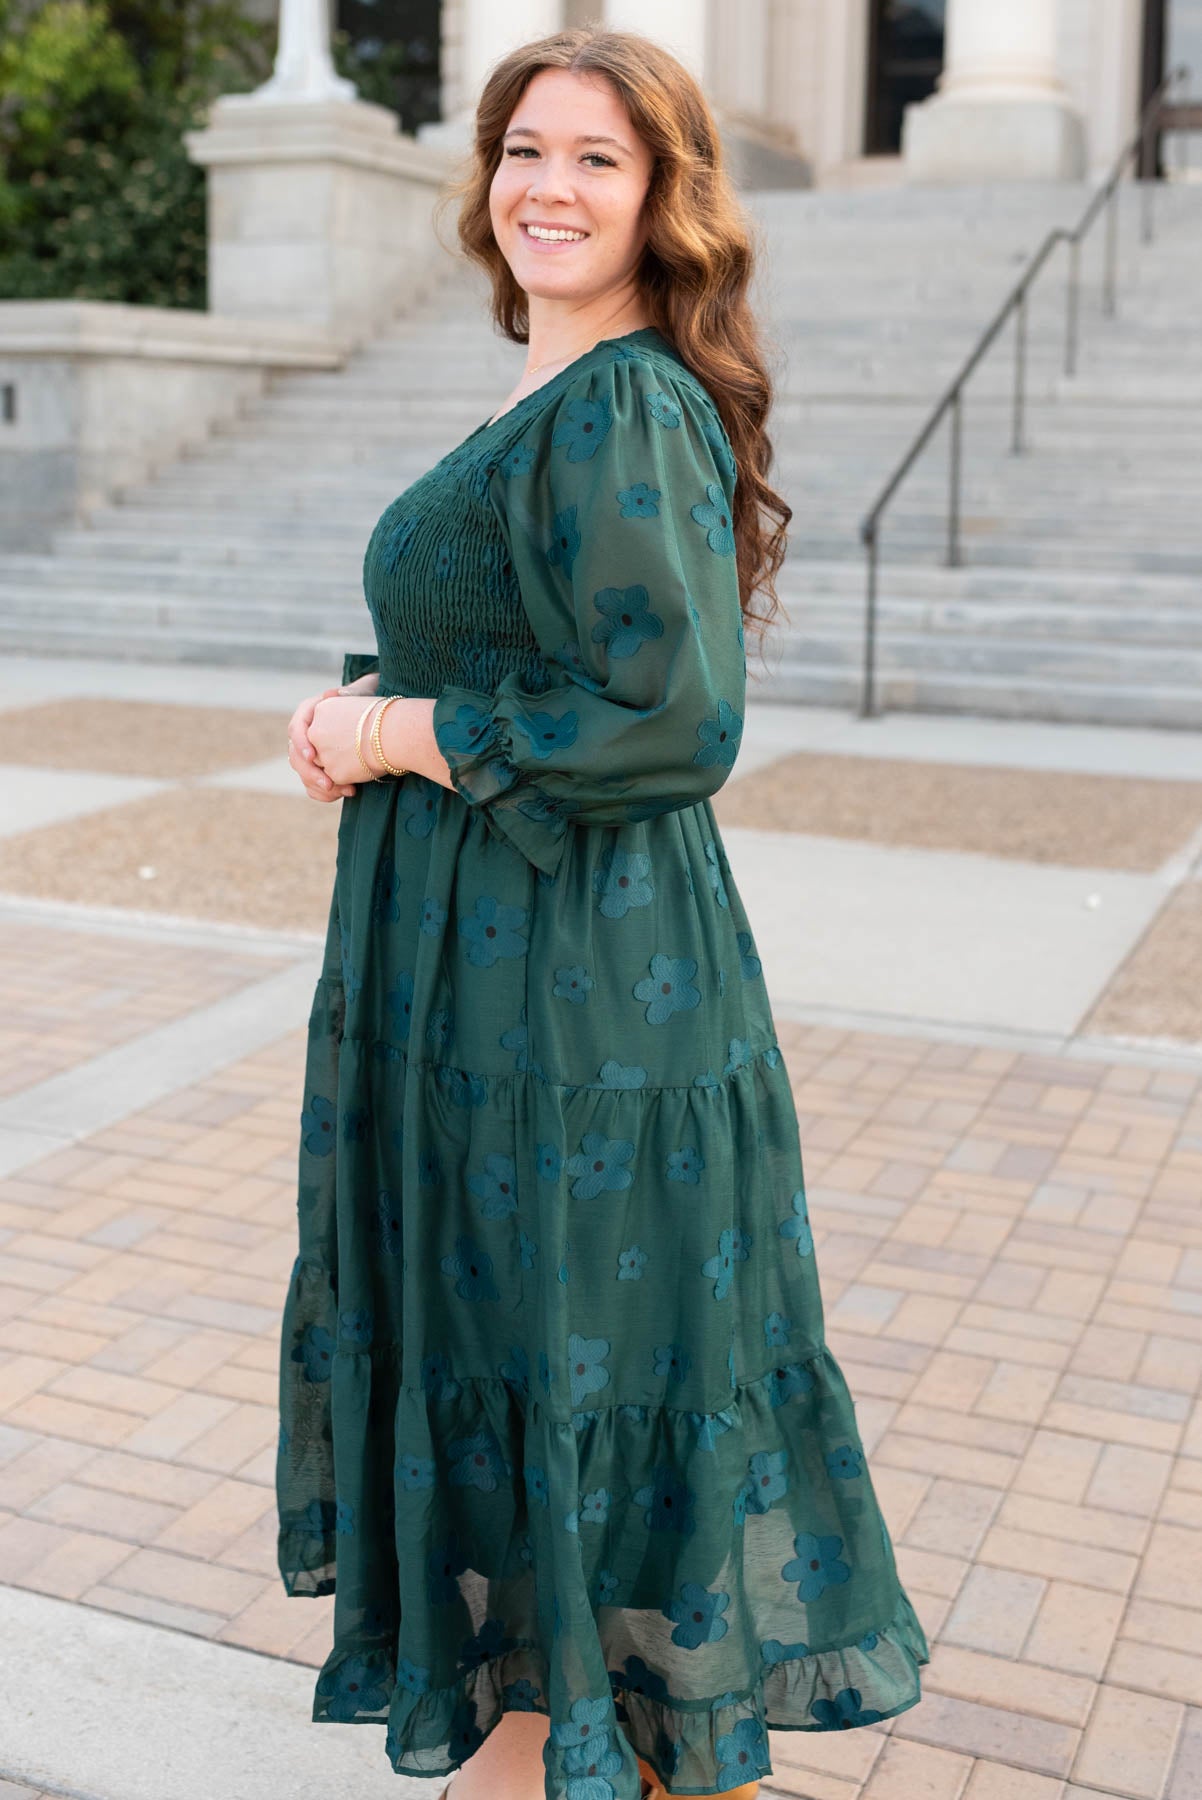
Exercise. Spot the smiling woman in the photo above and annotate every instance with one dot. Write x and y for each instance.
(560, 1429)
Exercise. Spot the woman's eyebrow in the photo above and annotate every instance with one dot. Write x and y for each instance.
(526, 131)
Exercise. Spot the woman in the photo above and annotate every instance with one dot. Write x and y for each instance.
(555, 1400)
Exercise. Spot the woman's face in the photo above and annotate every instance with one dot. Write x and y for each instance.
(550, 174)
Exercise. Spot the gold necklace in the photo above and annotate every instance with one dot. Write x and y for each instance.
(551, 359)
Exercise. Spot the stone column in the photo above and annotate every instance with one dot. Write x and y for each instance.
(476, 34)
(319, 209)
(1000, 111)
(679, 25)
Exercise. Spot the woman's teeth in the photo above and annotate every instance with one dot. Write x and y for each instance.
(554, 237)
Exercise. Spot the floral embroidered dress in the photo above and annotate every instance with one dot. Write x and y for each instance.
(559, 1427)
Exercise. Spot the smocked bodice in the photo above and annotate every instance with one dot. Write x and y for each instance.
(439, 582)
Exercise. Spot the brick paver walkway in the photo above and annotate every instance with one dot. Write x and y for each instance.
(1011, 1252)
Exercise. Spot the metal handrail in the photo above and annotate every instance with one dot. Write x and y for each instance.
(1016, 303)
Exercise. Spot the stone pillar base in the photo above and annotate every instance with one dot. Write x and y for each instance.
(994, 138)
(320, 212)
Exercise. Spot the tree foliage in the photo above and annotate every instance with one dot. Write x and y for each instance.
(98, 199)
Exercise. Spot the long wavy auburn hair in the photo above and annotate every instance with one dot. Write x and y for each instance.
(696, 267)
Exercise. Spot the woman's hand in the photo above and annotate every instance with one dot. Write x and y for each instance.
(331, 732)
(303, 755)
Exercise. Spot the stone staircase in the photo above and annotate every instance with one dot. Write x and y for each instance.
(1079, 598)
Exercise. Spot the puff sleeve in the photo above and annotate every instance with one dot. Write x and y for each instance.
(616, 506)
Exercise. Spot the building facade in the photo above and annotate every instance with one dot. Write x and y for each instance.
(816, 91)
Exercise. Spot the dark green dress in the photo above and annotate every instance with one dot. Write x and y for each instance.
(556, 1406)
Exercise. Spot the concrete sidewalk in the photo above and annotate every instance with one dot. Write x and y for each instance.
(1004, 1193)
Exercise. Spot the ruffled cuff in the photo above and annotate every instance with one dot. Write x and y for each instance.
(477, 744)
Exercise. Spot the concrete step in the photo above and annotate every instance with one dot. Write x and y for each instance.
(991, 696)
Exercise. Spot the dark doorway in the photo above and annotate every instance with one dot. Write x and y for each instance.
(905, 57)
(390, 50)
(1172, 36)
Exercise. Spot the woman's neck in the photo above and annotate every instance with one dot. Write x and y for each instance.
(561, 339)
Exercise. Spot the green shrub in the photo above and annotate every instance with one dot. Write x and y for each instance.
(98, 200)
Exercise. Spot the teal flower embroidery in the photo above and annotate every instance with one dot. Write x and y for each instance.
(621, 879)
(444, 561)
(606, 1587)
(671, 1360)
(664, 411)
(584, 429)
(773, 1651)
(600, 1166)
(574, 983)
(546, 732)
(816, 1566)
(351, 1690)
(420, 801)
(316, 1352)
(443, 1566)
(390, 1223)
(720, 737)
(716, 517)
(472, 1268)
(385, 887)
(845, 1464)
(432, 916)
(399, 539)
(613, 1074)
(799, 1225)
(357, 1323)
(565, 540)
(464, 1736)
(319, 1125)
(518, 461)
(715, 437)
(631, 1263)
(639, 501)
(739, 1057)
(535, 1478)
(477, 1462)
(440, 1028)
(496, 570)
(520, 1695)
(528, 1250)
(493, 930)
(743, 1752)
(733, 1246)
(548, 1161)
(668, 1502)
(594, 1507)
(749, 963)
(627, 623)
(467, 731)
(400, 1001)
(766, 1479)
(669, 987)
(844, 1711)
(436, 1377)
(587, 1373)
(714, 871)
(697, 1615)
(463, 1087)
(787, 1382)
(685, 1164)
(414, 1676)
(497, 1187)
(414, 1472)
(776, 1330)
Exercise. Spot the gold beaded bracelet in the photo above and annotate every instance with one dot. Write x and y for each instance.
(376, 743)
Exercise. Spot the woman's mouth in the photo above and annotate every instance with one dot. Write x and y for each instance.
(552, 243)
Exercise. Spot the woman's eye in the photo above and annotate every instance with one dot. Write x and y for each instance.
(592, 155)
